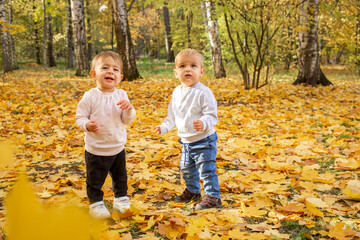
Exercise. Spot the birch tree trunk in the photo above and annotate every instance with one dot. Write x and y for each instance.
(309, 60)
(44, 36)
(124, 44)
(14, 62)
(168, 41)
(211, 25)
(82, 64)
(4, 39)
(70, 39)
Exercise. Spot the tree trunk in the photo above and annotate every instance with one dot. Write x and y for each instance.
(82, 64)
(168, 41)
(213, 30)
(44, 36)
(50, 42)
(112, 28)
(4, 39)
(88, 28)
(189, 21)
(309, 60)
(36, 34)
(124, 44)
(70, 40)
(357, 37)
(14, 62)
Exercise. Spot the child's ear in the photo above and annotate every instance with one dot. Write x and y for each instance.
(92, 73)
(121, 77)
(175, 73)
(202, 72)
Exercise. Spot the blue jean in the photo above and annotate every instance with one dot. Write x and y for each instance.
(198, 161)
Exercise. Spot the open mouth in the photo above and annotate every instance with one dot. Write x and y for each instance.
(109, 79)
(187, 75)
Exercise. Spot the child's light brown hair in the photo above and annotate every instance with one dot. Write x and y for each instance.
(189, 52)
(105, 54)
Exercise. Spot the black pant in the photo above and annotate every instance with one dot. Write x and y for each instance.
(97, 169)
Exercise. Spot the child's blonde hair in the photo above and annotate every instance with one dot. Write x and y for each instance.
(189, 52)
(105, 54)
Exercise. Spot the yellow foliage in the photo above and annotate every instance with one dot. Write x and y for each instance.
(28, 220)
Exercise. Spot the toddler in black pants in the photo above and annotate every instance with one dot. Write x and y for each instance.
(102, 113)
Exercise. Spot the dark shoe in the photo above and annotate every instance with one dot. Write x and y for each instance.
(187, 196)
(209, 202)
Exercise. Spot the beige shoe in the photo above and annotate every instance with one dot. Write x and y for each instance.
(98, 210)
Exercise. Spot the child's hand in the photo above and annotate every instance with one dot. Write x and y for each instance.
(198, 125)
(125, 105)
(157, 129)
(93, 126)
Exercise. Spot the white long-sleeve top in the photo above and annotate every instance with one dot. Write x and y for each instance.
(101, 107)
(187, 105)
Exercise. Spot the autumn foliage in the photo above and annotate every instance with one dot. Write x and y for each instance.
(288, 162)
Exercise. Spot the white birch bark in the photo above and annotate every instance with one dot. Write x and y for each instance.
(309, 59)
(78, 21)
(124, 44)
(212, 28)
(4, 39)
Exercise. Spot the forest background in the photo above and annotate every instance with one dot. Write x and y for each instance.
(288, 155)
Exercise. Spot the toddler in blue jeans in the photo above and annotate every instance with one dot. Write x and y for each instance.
(193, 110)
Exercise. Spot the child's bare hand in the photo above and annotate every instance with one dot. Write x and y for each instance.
(198, 125)
(125, 105)
(157, 129)
(92, 126)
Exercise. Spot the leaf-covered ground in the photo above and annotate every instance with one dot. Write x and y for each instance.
(288, 158)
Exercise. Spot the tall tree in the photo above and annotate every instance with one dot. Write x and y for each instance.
(70, 39)
(82, 64)
(35, 26)
(45, 36)
(124, 43)
(357, 36)
(88, 29)
(4, 38)
(50, 41)
(212, 28)
(14, 62)
(168, 41)
(308, 59)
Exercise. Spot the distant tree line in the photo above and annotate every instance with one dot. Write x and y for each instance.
(251, 35)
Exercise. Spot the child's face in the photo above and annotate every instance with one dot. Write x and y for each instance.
(107, 74)
(189, 70)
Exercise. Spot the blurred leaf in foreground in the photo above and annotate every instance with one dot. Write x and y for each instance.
(28, 220)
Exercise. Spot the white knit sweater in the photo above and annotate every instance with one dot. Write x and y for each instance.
(187, 105)
(101, 107)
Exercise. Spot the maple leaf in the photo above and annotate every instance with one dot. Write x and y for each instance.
(311, 204)
(237, 234)
(340, 232)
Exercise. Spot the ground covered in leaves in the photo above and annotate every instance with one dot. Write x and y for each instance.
(288, 158)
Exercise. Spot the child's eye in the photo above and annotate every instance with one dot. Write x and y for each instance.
(193, 65)
(104, 67)
(182, 66)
